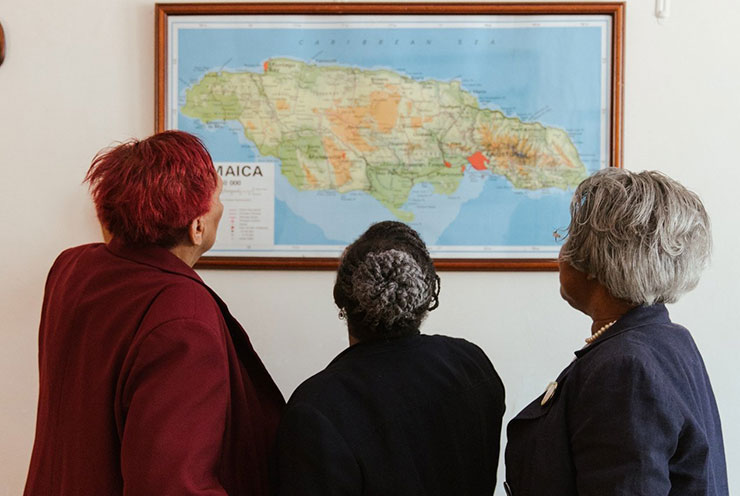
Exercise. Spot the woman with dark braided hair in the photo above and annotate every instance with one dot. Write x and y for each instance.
(398, 412)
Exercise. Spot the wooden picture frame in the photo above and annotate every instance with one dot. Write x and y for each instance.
(201, 87)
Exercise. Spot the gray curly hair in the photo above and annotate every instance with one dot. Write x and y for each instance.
(386, 282)
(389, 286)
(644, 236)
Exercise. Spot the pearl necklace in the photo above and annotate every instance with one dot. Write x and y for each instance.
(598, 333)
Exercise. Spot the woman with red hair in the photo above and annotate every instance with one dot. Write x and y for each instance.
(148, 385)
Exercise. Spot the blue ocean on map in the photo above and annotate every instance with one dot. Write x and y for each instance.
(550, 75)
(502, 213)
(351, 213)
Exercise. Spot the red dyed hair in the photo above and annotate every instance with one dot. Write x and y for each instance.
(148, 192)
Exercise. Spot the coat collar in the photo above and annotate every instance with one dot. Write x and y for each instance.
(373, 346)
(637, 317)
(154, 256)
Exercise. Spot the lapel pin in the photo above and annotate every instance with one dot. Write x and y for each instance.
(549, 392)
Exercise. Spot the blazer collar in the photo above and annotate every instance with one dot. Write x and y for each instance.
(381, 345)
(637, 317)
(155, 256)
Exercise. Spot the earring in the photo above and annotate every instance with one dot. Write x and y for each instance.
(342, 314)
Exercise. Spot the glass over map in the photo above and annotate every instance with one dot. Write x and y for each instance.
(474, 130)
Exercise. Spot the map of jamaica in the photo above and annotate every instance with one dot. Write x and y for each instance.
(345, 129)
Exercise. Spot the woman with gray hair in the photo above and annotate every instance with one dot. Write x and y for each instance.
(634, 413)
(398, 412)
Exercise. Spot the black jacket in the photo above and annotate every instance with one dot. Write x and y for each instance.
(634, 414)
(418, 415)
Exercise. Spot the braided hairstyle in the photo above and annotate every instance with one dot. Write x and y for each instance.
(386, 282)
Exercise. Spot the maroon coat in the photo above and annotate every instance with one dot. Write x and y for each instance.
(148, 385)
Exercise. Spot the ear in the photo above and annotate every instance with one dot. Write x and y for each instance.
(195, 231)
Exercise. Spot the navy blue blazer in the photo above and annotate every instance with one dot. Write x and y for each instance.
(633, 414)
(418, 415)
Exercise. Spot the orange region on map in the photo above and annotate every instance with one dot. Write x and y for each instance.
(347, 124)
(309, 177)
(384, 109)
(338, 160)
(265, 65)
(447, 164)
(478, 161)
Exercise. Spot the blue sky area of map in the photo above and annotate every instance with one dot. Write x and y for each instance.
(552, 74)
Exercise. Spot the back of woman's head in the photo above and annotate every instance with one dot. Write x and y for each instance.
(643, 235)
(386, 282)
(147, 192)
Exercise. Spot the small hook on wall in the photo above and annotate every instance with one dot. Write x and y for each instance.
(662, 9)
(2, 44)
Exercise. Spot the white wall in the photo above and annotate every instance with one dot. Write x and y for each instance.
(79, 75)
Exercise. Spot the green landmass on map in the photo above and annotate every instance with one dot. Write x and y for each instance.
(348, 129)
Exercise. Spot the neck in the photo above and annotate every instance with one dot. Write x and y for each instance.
(188, 254)
(607, 312)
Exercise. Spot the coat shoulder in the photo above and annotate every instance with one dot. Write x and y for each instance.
(182, 298)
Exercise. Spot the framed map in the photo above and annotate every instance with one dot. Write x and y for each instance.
(472, 123)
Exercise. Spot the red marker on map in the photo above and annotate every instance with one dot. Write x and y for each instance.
(447, 164)
(478, 161)
(265, 65)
